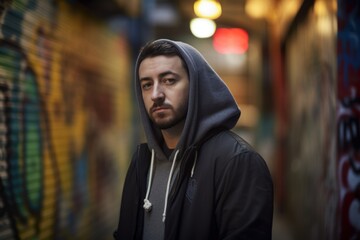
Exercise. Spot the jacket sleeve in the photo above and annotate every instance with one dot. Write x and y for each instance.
(244, 198)
(128, 209)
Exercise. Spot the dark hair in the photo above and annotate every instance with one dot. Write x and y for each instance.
(160, 48)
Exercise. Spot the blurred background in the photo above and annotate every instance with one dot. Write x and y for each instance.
(69, 123)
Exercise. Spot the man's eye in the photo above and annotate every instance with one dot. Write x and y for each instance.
(169, 81)
(146, 86)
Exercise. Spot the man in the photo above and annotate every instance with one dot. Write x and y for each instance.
(195, 178)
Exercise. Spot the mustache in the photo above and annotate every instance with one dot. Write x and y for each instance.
(156, 106)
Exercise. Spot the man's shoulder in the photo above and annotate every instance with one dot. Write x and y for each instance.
(227, 144)
(229, 138)
(228, 148)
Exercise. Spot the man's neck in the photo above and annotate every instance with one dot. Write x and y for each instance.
(172, 135)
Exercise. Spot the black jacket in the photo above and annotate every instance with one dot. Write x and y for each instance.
(229, 196)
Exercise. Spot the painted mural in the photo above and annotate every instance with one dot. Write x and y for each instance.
(311, 170)
(348, 119)
(64, 122)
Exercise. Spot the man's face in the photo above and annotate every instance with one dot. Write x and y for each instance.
(165, 90)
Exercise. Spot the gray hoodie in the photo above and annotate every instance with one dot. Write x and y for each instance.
(211, 105)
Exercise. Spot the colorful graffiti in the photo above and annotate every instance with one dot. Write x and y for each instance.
(64, 120)
(348, 119)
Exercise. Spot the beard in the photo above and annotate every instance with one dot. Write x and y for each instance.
(168, 119)
(164, 124)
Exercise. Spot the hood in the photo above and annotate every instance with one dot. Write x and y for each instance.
(211, 105)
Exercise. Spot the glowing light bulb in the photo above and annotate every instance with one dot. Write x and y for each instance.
(202, 27)
(207, 9)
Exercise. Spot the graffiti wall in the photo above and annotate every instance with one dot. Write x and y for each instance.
(348, 119)
(64, 122)
(311, 166)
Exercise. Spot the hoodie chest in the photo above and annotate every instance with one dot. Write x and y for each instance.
(153, 224)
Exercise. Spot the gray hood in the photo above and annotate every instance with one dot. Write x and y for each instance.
(211, 105)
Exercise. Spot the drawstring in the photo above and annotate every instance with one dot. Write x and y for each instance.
(168, 185)
(193, 167)
(147, 204)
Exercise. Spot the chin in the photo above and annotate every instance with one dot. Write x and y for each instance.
(170, 124)
(164, 126)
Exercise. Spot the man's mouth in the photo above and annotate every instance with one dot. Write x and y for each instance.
(159, 108)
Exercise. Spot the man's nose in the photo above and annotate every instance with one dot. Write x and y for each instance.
(157, 93)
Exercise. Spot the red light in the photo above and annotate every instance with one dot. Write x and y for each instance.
(231, 40)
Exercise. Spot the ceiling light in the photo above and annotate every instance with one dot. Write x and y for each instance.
(207, 9)
(202, 27)
(231, 40)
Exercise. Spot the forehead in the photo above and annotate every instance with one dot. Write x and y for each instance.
(161, 64)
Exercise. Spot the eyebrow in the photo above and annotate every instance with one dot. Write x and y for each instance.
(163, 74)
